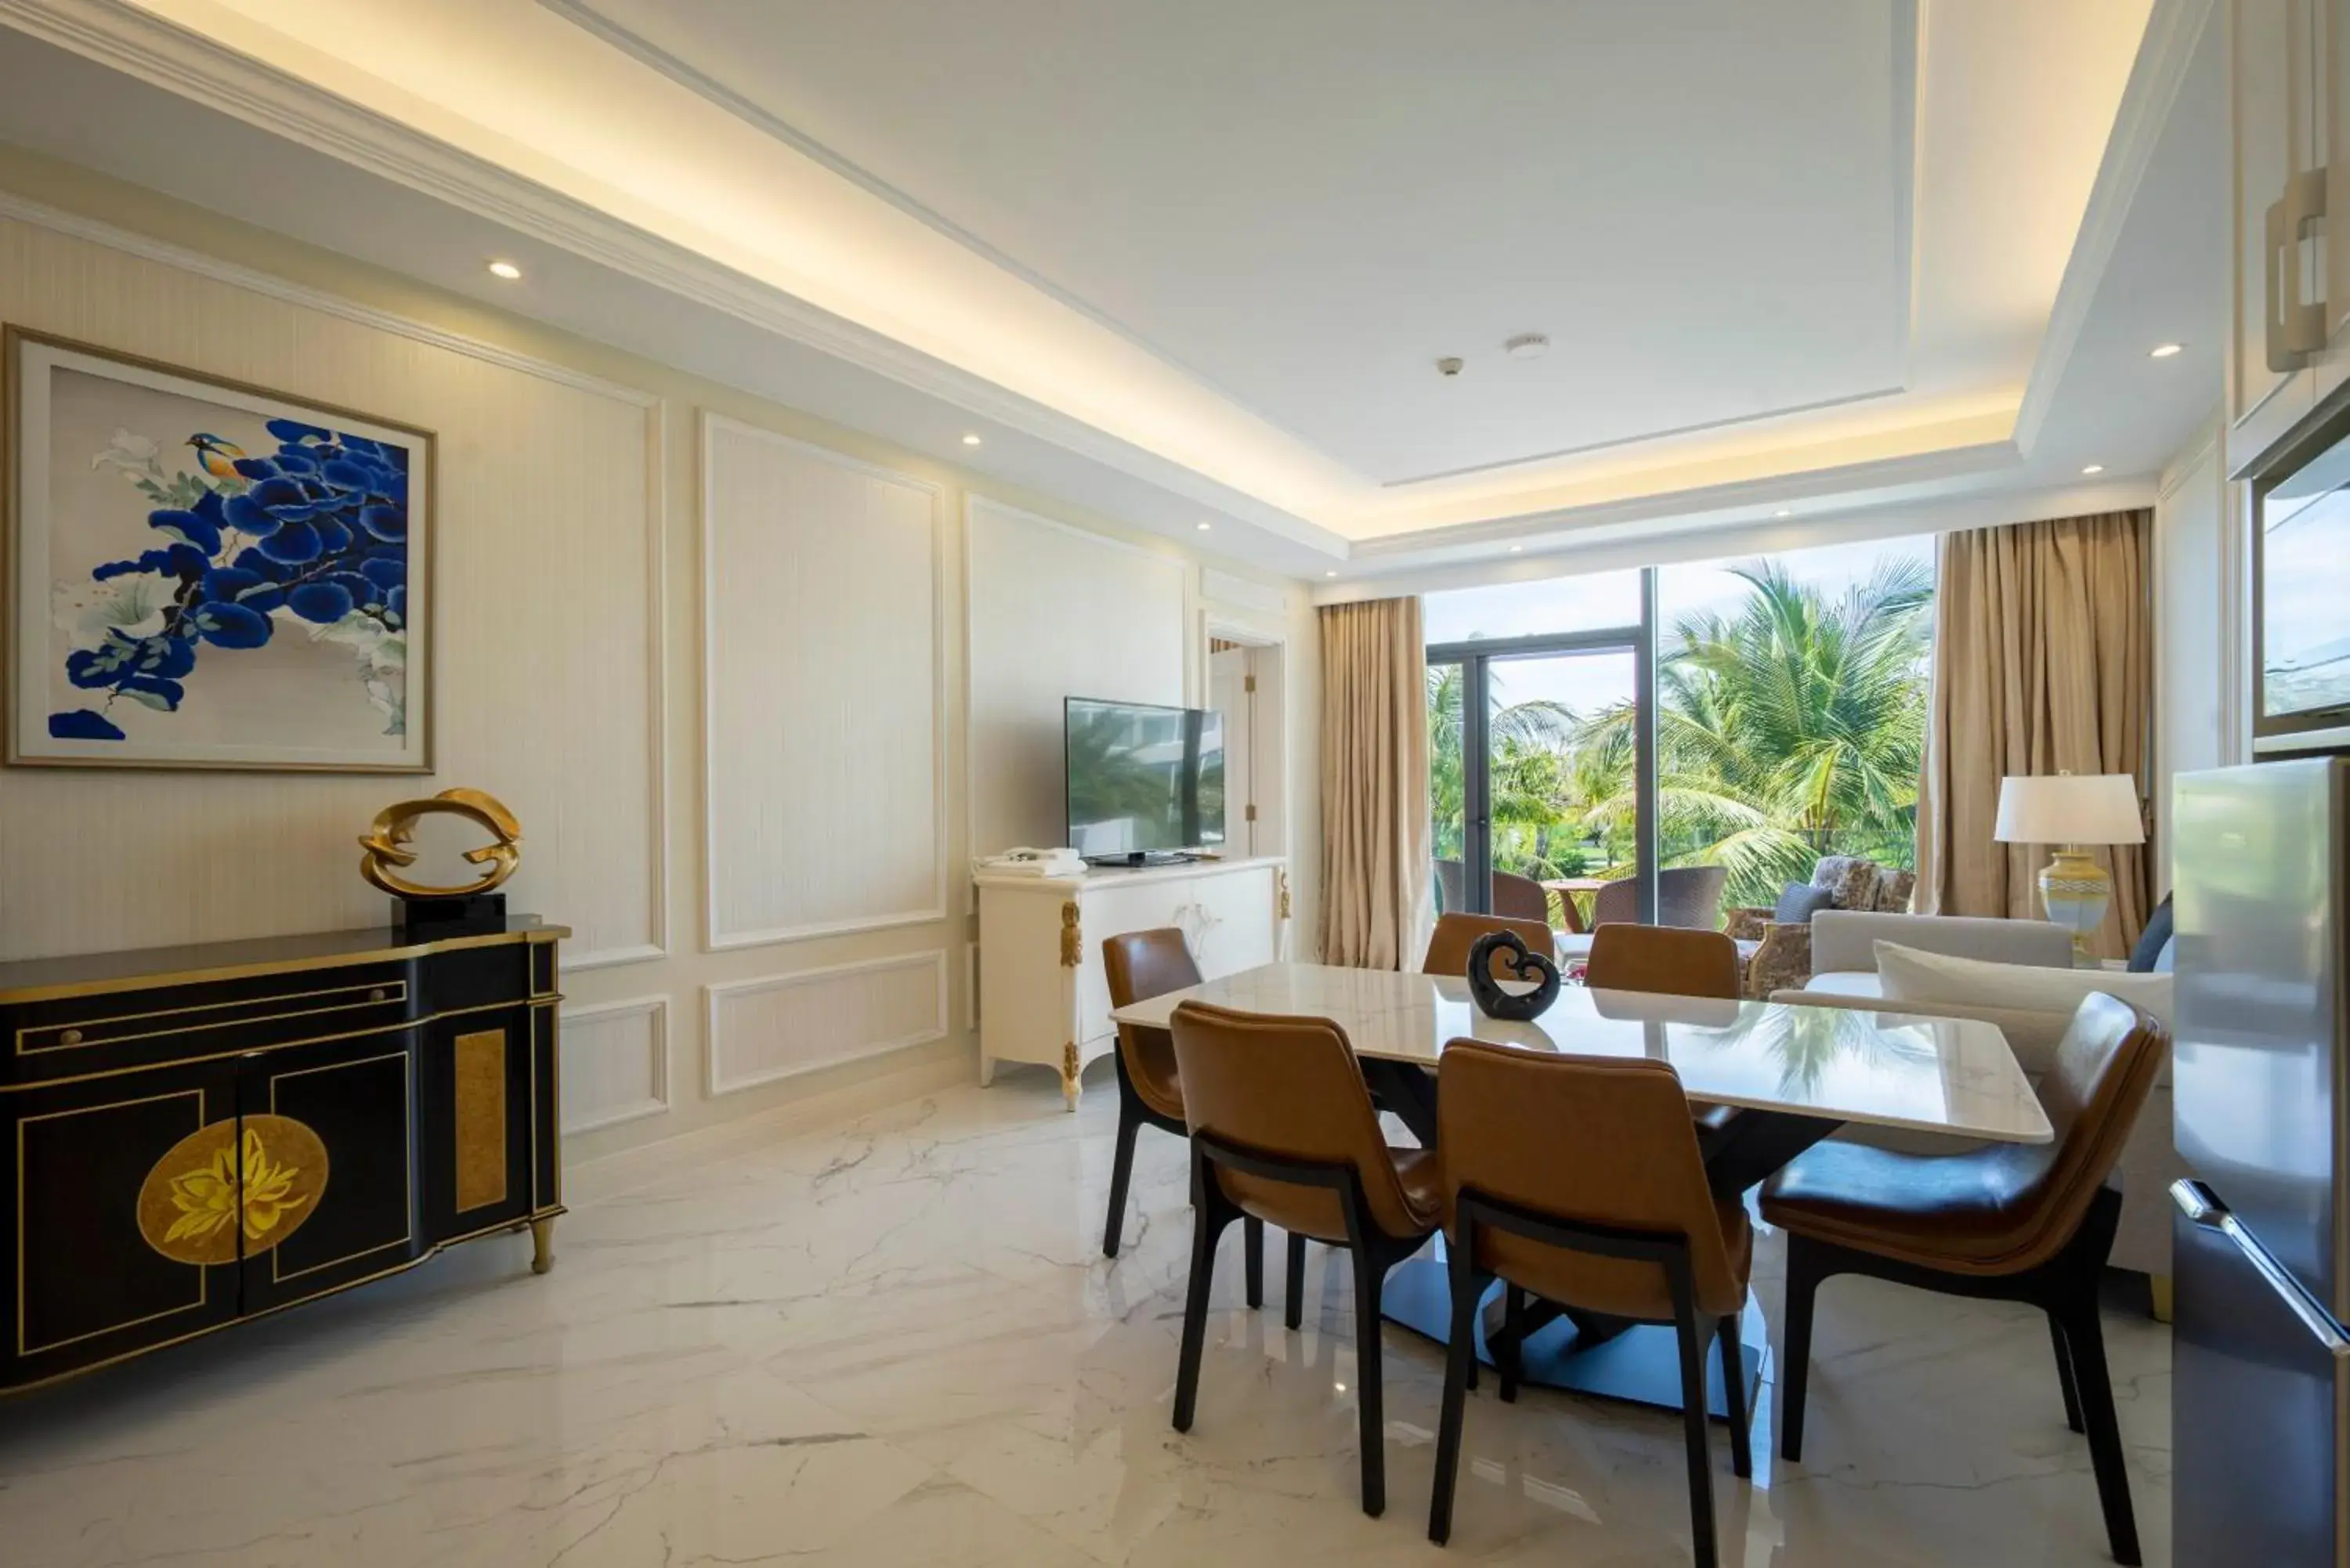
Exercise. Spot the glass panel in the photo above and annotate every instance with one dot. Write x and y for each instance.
(1447, 807)
(1560, 780)
(1791, 694)
(1593, 603)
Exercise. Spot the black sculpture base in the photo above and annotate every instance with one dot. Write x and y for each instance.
(467, 914)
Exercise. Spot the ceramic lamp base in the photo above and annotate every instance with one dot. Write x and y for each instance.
(2076, 892)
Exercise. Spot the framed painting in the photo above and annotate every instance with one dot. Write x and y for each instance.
(208, 574)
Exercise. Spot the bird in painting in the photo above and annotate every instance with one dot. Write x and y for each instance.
(218, 457)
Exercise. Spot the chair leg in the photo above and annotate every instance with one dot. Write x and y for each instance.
(1293, 1302)
(1122, 1173)
(1734, 1387)
(1459, 1365)
(1208, 1221)
(1253, 1259)
(1693, 1333)
(2085, 1338)
(1509, 1358)
(1796, 1346)
(2064, 1376)
(1369, 1277)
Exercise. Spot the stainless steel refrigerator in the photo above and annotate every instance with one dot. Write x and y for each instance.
(2261, 1356)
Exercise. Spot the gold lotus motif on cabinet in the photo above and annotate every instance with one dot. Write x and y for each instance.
(234, 1188)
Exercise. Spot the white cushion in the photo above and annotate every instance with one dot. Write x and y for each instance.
(1913, 976)
(1847, 982)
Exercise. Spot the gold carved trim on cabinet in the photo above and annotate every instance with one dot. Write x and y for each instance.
(1071, 1064)
(1073, 938)
(480, 1075)
(234, 1188)
(372, 994)
(1281, 893)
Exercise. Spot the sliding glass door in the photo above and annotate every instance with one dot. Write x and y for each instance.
(1541, 769)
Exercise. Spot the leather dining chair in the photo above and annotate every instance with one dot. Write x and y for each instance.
(2020, 1222)
(1455, 934)
(1283, 1132)
(1673, 960)
(1615, 1219)
(1140, 965)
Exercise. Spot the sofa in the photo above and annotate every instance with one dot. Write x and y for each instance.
(1845, 975)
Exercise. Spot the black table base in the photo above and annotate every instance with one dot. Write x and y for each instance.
(1588, 1353)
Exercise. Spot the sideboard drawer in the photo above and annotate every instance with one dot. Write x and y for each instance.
(74, 1037)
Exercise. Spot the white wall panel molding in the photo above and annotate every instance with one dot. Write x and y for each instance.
(616, 1063)
(824, 672)
(780, 1026)
(1053, 611)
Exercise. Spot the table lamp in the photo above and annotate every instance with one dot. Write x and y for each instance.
(2069, 810)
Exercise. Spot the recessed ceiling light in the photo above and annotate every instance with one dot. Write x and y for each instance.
(1783, 512)
(2094, 468)
(2165, 350)
(505, 269)
(970, 440)
(1203, 527)
(1527, 346)
(1329, 574)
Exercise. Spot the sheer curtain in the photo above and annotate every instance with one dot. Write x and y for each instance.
(2043, 663)
(1376, 871)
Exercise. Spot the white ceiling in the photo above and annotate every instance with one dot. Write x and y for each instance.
(1703, 203)
(1199, 270)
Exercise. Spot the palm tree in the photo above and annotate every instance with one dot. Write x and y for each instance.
(1792, 728)
(1531, 744)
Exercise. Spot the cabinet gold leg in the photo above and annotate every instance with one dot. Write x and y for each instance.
(542, 1245)
(1070, 1068)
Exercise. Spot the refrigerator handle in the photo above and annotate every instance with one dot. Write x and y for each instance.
(2198, 1203)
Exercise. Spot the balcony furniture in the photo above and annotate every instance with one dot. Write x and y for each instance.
(1687, 896)
(1283, 1132)
(205, 1134)
(1616, 1220)
(1520, 897)
(1044, 992)
(1138, 965)
(2010, 1222)
(1953, 1076)
(1570, 916)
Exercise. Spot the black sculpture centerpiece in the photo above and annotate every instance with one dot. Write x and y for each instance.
(1525, 965)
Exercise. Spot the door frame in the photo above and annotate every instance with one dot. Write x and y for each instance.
(1268, 754)
(1475, 658)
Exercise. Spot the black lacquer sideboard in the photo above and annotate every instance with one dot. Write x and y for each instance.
(204, 1134)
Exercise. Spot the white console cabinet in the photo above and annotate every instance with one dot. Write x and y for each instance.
(1042, 996)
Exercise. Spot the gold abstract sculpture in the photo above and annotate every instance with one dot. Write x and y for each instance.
(387, 843)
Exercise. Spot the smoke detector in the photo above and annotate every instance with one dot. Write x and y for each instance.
(1449, 366)
(1527, 346)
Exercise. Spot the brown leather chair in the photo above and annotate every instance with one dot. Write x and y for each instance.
(2022, 1222)
(1140, 965)
(1449, 945)
(1673, 960)
(1283, 1132)
(1612, 1217)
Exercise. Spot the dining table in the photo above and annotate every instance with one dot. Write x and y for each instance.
(1788, 1075)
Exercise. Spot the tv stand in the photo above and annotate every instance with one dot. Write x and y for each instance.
(1137, 859)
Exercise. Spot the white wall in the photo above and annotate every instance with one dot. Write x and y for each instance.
(2201, 719)
(710, 648)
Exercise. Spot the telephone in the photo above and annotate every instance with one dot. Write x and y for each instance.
(1025, 861)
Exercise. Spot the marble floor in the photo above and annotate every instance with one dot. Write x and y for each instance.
(895, 1342)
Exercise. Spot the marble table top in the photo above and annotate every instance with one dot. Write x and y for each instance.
(1951, 1075)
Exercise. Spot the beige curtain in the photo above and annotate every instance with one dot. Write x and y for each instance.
(2043, 663)
(1376, 909)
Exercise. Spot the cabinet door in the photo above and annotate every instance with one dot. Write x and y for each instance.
(120, 1227)
(2269, 98)
(327, 1158)
(2330, 22)
(1112, 908)
(1235, 915)
(474, 1137)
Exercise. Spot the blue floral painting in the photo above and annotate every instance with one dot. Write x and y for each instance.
(231, 578)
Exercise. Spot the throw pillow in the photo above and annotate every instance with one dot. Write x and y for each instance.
(1911, 975)
(1851, 881)
(1894, 887)
(1799, 903)
(2152, 940)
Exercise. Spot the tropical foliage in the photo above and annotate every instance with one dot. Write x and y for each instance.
(1790, 727)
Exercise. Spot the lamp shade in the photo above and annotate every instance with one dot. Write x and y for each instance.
(2069, 808)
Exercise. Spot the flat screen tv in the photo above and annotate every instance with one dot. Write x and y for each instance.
(1145, 783)
(2301, 562)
